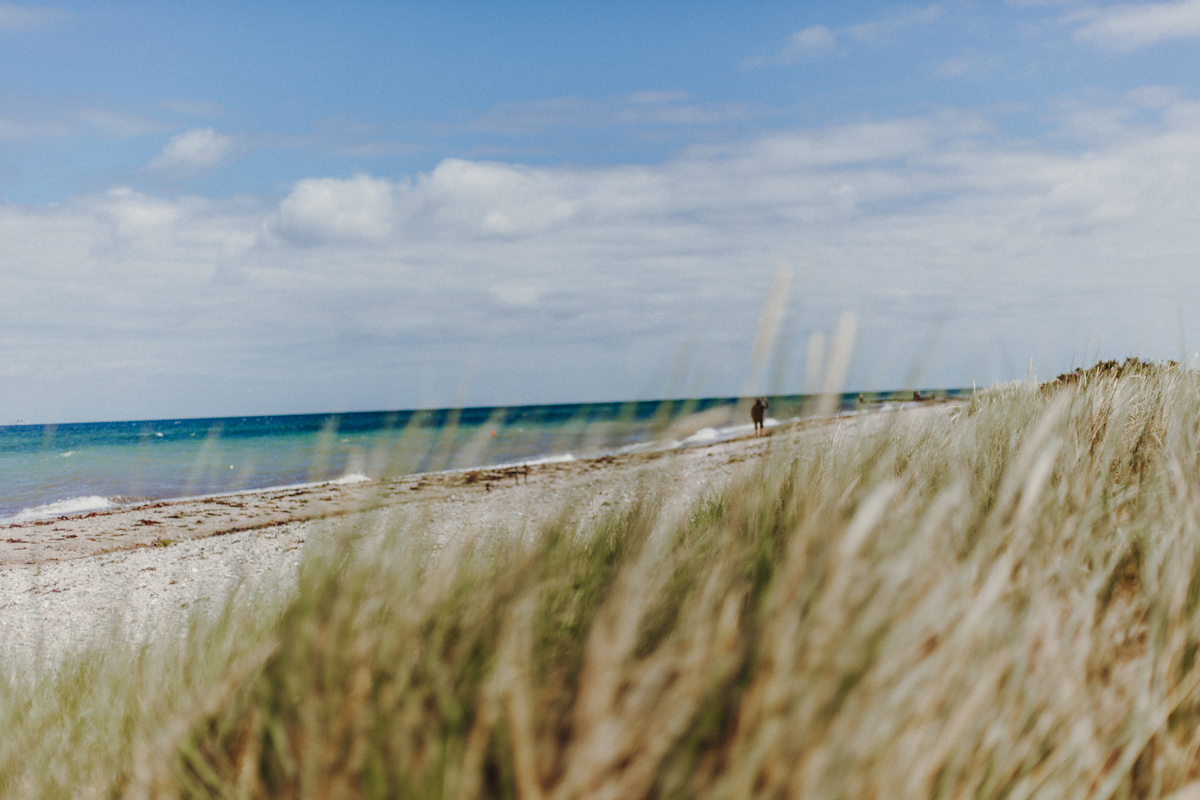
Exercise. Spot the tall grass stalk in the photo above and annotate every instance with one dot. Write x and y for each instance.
(1001, 602)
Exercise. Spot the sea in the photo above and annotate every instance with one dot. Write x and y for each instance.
(67, 469)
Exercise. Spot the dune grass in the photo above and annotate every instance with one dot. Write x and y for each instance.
(998, 602)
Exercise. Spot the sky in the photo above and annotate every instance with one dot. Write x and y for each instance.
(219, 209)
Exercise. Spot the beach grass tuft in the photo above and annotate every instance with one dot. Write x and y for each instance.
(998, 602)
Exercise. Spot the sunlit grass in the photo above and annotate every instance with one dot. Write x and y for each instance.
(999, 602)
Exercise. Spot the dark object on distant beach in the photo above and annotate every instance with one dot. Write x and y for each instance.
(917, 396)
(756, 413)
(516, 472)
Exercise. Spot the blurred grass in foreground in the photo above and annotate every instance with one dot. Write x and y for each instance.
(1004, 602)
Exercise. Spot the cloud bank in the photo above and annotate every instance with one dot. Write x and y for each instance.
(584, 283)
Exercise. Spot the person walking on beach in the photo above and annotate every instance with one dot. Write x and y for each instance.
(756, 414)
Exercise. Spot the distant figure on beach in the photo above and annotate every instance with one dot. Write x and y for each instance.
(756, 414)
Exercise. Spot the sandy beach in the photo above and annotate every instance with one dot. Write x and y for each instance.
(64, 580)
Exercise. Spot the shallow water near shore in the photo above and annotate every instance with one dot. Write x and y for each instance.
(54, 470)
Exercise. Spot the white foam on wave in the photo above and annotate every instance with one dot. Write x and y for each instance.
(652, 444)
(703, 436)
(67, 454)
(73, 505)
(353, 477)
(712, 435)
(563, 458)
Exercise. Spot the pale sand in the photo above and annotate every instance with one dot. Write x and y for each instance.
(65, 581)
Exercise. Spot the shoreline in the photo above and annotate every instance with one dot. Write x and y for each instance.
(68, 537)
(163, 522)
(65, 583)
(75, 582)
(688, 437)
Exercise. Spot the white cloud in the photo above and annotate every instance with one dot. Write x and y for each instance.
(1128, 27)
(42, 118)
(819, 40)
(815, 40)
(365, 292)
(136, 217)
(29, 18)
(331, 209)
(130, 225)
(196, 150)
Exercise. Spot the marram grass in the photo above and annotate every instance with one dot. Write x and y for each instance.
(1002, 602)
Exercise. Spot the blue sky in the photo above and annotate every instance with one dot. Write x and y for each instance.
(218, 208)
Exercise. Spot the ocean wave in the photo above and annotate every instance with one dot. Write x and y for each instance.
(73, 505)
(702, 436)
(641, 447)
(706, 435)
(354, 477)
(747, 429)
(563, 458)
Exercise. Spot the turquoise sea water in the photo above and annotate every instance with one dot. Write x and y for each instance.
(53, 470)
